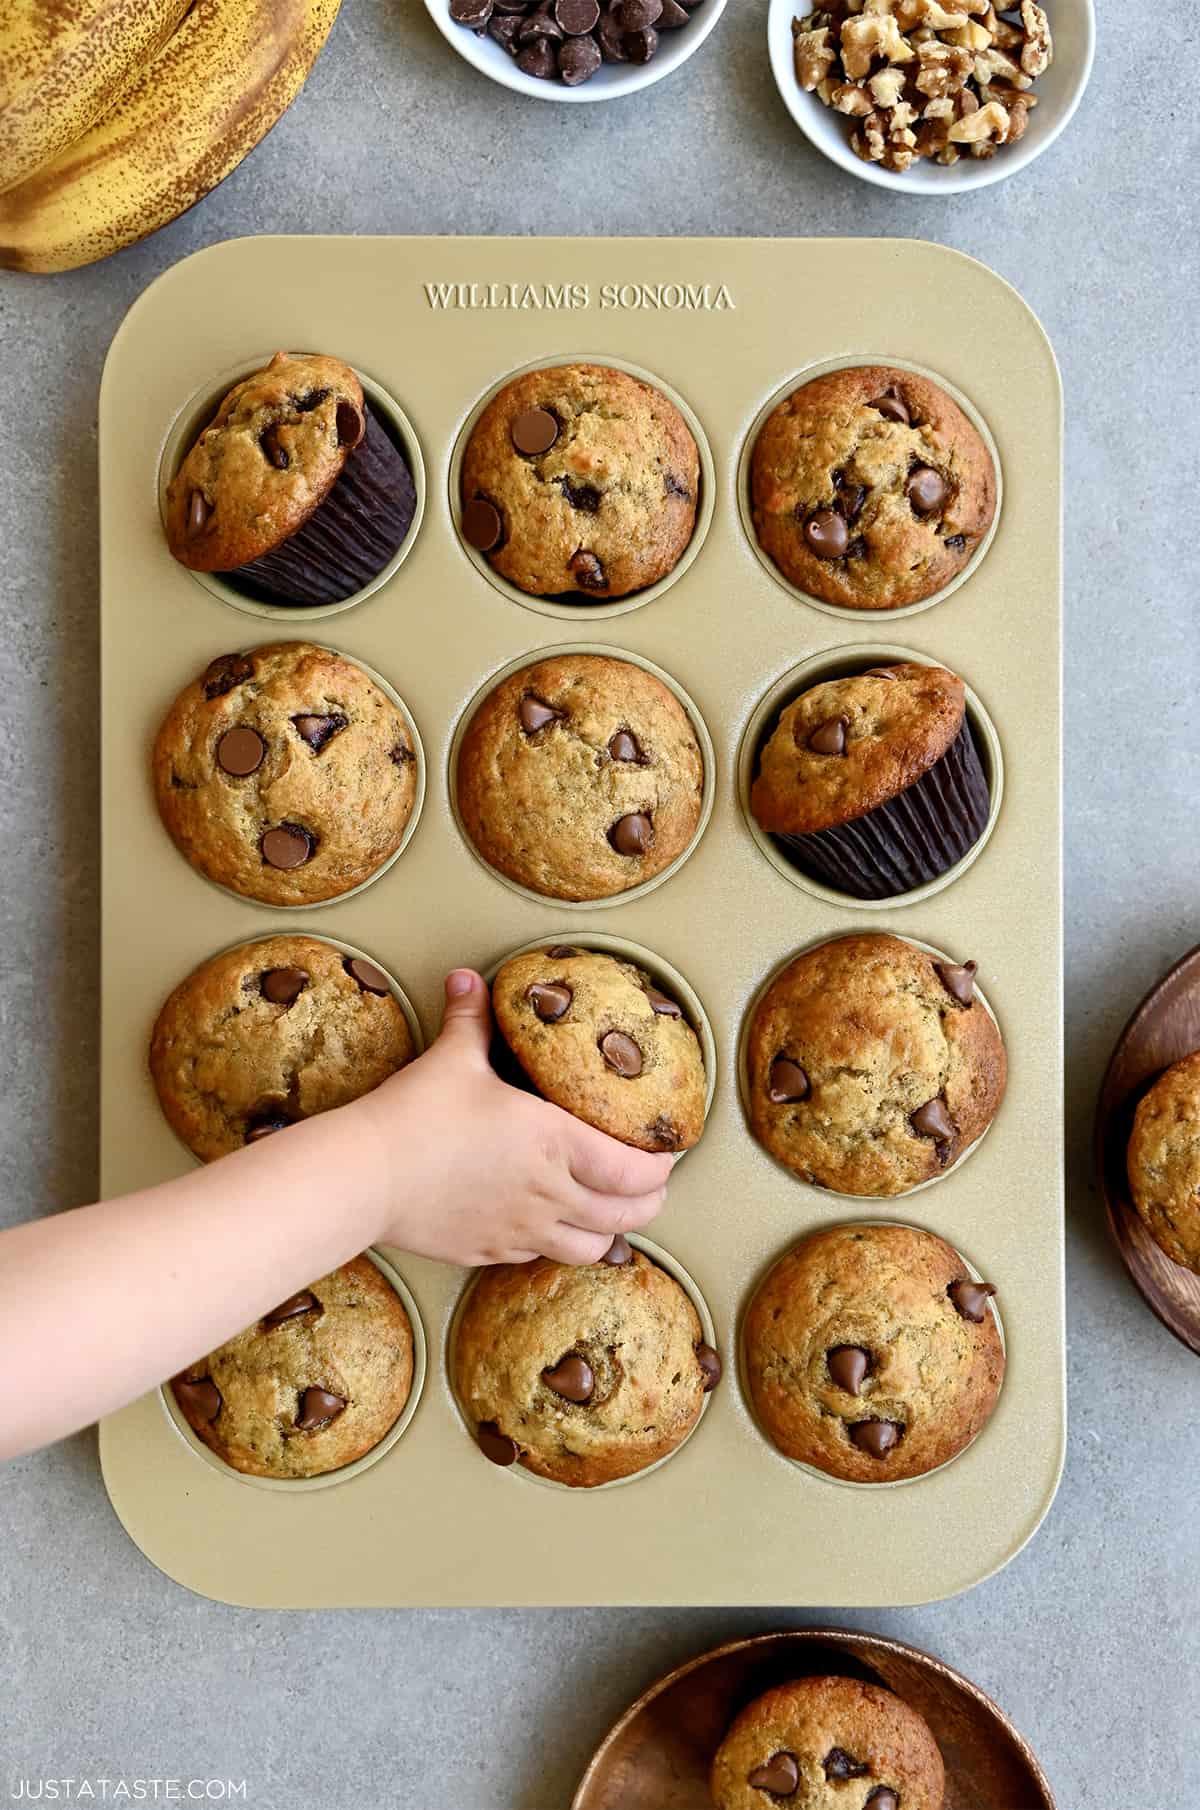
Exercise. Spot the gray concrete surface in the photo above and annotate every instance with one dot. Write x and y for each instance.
(1090, 1638)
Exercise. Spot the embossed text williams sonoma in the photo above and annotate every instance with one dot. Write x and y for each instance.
(688, 298)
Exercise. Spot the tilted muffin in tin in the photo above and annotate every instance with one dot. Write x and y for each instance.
(580, 777)
(285, 773)
(871, 488)
(581, 1373)
(580, 481)
(312, 1386)
(1164, 1161)
(872, 1066)
(871, 1353)
(828, 1744)
(295, 488)
(269, 1033)
(873, 783)
(593, 1034)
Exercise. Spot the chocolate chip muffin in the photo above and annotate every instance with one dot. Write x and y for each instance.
(828, 1744)
(580, 777)
(285, 774)
(870, 488)
(313, 1385)
(580, 481)
(1164, 1161)
(272, 1032)
(872, 1354)
(872, 783)
(594, 1034)
(872, 1066)
(295, 486)
(581, 1374)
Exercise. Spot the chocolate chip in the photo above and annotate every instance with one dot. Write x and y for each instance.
(350, 425)
(619, 1252)
(203, 1398)
(955, 542)
(622, 1054)
(198, 514)
(472, 13)
(879, 672)
(876, 1438)
(958, 982)
(240, 752)
(830, 737)
(577, 17)
(638, 15)
(827, 534)
(927, 490)
(482, 525)
(971, 1298)
(571, 1378)
(494, 1444)
(292, 1309)
(535, 714)
(612, 39)
(226, 671)
(848, 1366)
(287, 846)
(892, 406)
(583, 497)
(711, 1367)
(632, 835)
(370, 978)
(275, 452)
(671, 16)
(550, 1001)
(671, 484)
(883, 1798)
(664, 1007)
(837, 1762)
(312, 399)
(400, 753)
(641, 45)
(662, 1134)
(317, 730)
(317, 1408)
(538, 59)
(787, 1082)
(283, 986)
(266, 1127)
(587, 571)
(851, 496)
(539, 26)
(933, 1121)
(624, 746)
(857, 548)
(780, 1775)
(561, 951)
(504, 28)
(534, 431)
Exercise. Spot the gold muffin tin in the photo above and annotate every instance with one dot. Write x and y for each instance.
(727, 325)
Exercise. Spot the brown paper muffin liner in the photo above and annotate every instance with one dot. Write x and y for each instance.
(349, 539)
(909, 841)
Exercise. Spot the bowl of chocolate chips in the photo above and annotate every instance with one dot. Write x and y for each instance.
(575, 50)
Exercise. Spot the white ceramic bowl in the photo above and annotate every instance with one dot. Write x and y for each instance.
(1073, 26)
(610, 81)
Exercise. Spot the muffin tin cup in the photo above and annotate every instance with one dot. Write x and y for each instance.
(674, 1269)
(346, 1472)
(700, 728)
(746, 504)
(813, 1470)
(842, 662)
(195, 415)
(616, 606)
(743, 1068)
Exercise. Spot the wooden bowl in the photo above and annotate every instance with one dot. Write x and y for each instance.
(1165, 1027)
(658, 1755)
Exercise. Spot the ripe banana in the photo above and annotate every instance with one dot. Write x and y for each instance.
(64, 65)
(191, 115)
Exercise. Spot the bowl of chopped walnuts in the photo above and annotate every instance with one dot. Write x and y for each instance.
(931, 96)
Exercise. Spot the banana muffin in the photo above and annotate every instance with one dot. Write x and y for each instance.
(872, 1354)
(581, 1373)
(580, 777)
(872, 1066)
(870, 488)
(269, 1033)
(313, 1385)
(285, 774)
(580, 482)
(595, 1035)
(295, 487)
(828, 1744)
(1164, 1161)
(872, 783)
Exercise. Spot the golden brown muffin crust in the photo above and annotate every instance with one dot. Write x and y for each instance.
(1164, 1161)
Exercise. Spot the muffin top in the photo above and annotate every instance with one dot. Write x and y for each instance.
(871, 488)
(582, 1374)
(872, 1066)
(848, 745)
(580, 479)
(828, 1744)
(268, 458)
(272, 1032)
(871, 1353)
(285, 773)
(313, 1385)
(598, 1038)
(580, 777)
(1164, 1161)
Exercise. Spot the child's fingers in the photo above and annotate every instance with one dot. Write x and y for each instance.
(607, 1167)
(467, 1018)
(613, 1213)
(571, 1244)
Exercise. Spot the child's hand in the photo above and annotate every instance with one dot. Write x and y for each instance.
(484, 1173)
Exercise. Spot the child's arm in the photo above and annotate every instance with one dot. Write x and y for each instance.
(99, 1304)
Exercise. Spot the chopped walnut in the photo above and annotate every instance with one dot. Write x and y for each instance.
(971, 36)
(849, 99)
(868, 36)
(1037, 49)
(944, 69)
(994, 64)
(869, 141)
(887, 87)
(815, 57)
(990, 122)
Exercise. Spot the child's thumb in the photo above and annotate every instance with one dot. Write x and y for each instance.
(467, 1019)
